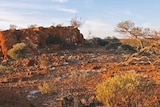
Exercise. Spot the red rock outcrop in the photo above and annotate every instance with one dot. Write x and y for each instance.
(7, 39)
(40, 37)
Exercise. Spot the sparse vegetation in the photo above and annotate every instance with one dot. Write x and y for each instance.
(12, 27)
(78, 77)
(127, 90)
(101, 42)
(83, 76)
(75, 22)
(44, 88)
(128, 47)
(32, 26)
(74, 76)
(114, 45)
(59, 25)
(5, 70)
(109, 42)
(18, 51)
(44, 61)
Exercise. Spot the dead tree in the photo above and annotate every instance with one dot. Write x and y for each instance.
(128, 28)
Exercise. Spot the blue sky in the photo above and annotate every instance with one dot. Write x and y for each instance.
(101, 16)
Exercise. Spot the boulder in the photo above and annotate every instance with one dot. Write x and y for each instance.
(68, 101)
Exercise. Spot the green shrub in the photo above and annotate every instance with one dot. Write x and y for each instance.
(113, 45)
(100, 42)
(44, 61)
(127, 90)
(89, 43)
(78, 76)
(5, 70)
(112, 39)
(18, 51)
(44, 88)
(128, 47)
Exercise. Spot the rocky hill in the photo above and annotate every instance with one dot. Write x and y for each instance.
(40, 37)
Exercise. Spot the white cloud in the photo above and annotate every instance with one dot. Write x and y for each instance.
(127, 12)
(24, 14)
(67, 10)
(8, 17)
(98, 24)
(119, 12)
(27, 6)
(60, 1)
(97, 28)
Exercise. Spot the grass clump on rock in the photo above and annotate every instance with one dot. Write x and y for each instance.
(18, 51)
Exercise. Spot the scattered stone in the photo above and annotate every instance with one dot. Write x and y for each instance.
(68, 101)
(33, 94)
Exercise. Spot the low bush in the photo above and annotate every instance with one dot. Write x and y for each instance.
(44, 61)
(44, 88)
(100, 42)
(5, 70)
(114, 45)
(127, 90)
(128, 48)
(89, 43)
(78, 77)
(112, 39)
(18, 51)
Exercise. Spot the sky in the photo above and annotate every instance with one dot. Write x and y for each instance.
(100, 16)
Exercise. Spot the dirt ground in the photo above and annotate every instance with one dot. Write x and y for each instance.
(69, 74)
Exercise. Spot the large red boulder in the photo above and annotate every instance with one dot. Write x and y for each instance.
(40, 37)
